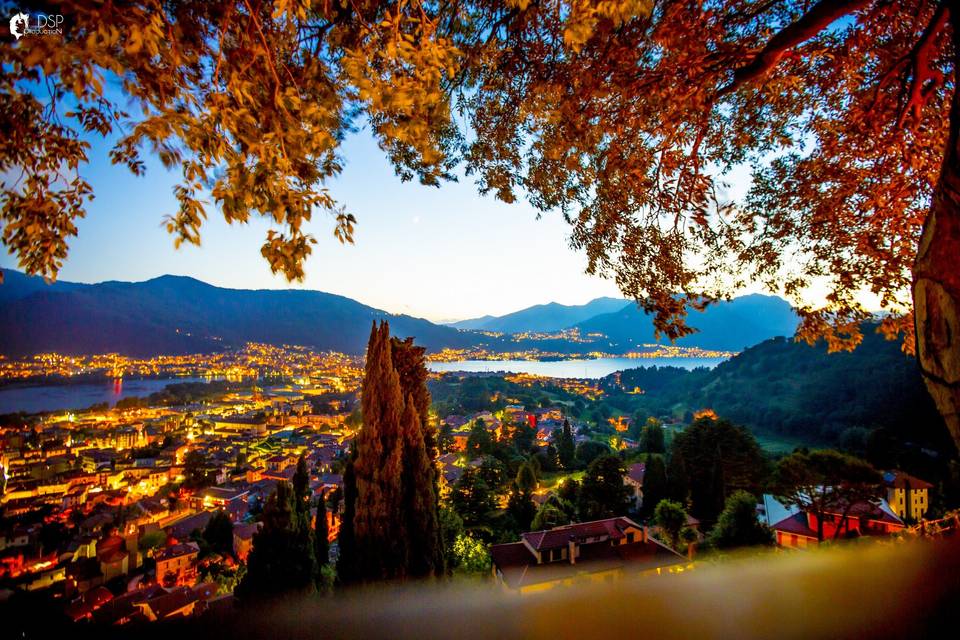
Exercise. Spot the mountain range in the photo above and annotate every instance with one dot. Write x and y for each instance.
(552, 316)
(177, 314)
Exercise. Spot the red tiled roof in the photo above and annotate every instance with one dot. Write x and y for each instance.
(560, 536)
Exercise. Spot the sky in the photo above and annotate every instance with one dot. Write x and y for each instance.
(440, 253)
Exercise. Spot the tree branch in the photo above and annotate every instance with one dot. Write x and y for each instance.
(920, 57)
(818, 18)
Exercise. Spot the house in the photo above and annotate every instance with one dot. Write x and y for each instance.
(178, 602)
(243, 539)
(233, 501)
(114, 558)
(795, 528)
(595, 551)
(177, 565)
(634, 480)
(908, 496)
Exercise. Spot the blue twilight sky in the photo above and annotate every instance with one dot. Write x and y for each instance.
(440, 253)
(444, 253)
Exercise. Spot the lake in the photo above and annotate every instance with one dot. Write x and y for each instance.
(80, 396)
(593, 368)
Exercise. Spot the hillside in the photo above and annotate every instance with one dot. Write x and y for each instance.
(173, 315)
(785, 387)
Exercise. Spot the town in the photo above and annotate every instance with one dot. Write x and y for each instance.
(149, 509)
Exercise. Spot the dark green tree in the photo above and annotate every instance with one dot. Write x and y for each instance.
(479, 442)
(218, 533)
(301, 485)
(569, 491)
(527, 478)
(671, 518)
(281, 560)
(471, 499)
(321, 544)
(424, 548)
(718, 458)
(520, 507)
(196, 470)
(554, 512)
(603, 493)
(738, 525)
(651, 437)
(377, 548)
(678, 482)
(390, 482)
(655, 486)
(825, 481)
(589, 451)
(566, 450)
(524, 438)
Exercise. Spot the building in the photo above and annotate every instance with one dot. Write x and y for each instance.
(177, 565)
(795, 528)
(634, 480)
(909, 497)
(243, 539)
(596, 551)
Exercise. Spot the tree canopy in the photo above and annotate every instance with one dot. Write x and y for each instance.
(825, 481)
(631, 118)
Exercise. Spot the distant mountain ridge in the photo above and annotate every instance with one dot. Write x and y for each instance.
(176, 315)
(726, 326)
(552, 316)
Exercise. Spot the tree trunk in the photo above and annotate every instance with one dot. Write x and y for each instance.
(936, 274)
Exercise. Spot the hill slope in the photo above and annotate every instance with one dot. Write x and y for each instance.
(785, 387)
(175, 315)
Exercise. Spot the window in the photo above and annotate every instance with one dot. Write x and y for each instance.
(630, 537)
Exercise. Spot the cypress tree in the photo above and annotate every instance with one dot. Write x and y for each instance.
(420, 499)
(347, 562)
(301, 485)
(566, 451)
(391, 520)
(321, 546)
(421, 490)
